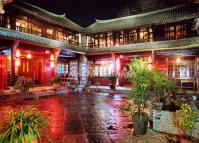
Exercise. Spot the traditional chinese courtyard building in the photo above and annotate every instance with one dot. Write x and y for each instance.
(42, 45)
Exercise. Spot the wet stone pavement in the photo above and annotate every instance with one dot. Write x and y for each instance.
(88, 118)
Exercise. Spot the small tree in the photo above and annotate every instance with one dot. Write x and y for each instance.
(141, 78)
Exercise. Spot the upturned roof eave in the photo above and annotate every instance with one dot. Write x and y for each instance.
(67, 23)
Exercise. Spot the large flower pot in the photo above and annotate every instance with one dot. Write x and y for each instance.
(140, 124)
(112, 86)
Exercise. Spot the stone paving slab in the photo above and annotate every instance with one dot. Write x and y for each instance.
(87, 118)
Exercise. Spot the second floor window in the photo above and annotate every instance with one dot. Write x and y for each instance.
(146, 35)
(21, 25)
(176, 31)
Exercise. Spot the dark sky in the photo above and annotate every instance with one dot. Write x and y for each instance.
(83, 12)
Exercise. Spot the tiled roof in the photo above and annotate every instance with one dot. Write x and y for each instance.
(157, 17)
(11, 34)
(160, 45)
(42, 14)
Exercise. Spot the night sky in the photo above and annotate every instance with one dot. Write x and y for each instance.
(84, 12)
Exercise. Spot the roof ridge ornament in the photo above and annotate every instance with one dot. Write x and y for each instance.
(63, 15)
(196, 25)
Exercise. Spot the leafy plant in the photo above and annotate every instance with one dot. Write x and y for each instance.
(161, 83)
(23, 84)
(185, 119)
(56, 80)
(24, 126)
(112, 78)
(141, 79)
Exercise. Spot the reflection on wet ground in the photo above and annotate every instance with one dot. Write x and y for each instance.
(86, 118)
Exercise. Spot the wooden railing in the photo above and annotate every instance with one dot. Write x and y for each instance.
(40, 34)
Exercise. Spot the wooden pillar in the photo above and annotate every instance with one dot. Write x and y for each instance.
(12, 62)
(56, 54)
(83, 70)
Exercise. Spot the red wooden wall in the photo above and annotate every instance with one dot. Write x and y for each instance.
(3, 71)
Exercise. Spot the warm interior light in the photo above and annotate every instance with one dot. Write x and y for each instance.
(149, 59)
(103, 63)
(150, 66)
(117, 65)
(47, 52)
(116, 44)
(141, 35)
(52, 64)
(178, 60)
(52, 58)
(18, 54)
(17, 62)
(29, 56)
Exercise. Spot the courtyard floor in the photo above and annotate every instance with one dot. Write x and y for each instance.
(87, 118)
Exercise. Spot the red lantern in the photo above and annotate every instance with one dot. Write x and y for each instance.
(18, 54)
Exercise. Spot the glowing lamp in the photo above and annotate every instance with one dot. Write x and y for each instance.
(18, 54)
(52, 64)
(150, 66)
(149, 60)
(52, 58)
(29, 56)
(17, 62)
(47, 52)
(178, 60)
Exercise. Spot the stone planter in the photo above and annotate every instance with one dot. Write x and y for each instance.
(163, 122)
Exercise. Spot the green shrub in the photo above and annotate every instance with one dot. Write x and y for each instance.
(24, 126)
(185, 119)
(23, 84)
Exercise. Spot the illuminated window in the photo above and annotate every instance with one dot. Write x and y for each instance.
(36, 29)
(146, 34)
(103, 68)
(175, 31)
(21, 25)
(49, 31)
(60, 36)
(62, 69)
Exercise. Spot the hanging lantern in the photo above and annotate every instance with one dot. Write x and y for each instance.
(178, 60)
(52, 64)
(29, 56)
(18, 54)
(17, 62)
(47, 51)
(52, 58)
(2, 3)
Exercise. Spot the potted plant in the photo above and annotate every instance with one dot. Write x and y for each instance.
(56, 82)
(139, 95)
(161, 84)
(87, 87)
(25, 126)
(23, 84)
(113, 79)
(185, 120)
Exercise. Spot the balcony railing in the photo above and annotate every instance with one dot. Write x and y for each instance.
(155, 39)
(40, 34)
